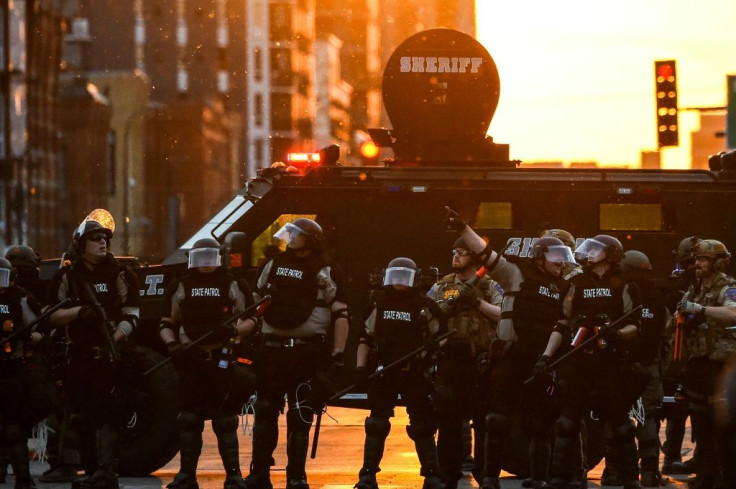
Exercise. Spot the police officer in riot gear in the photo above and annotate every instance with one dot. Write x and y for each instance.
(213, 385)
(532, 291)
(17, 310)
(645, 376)
(103, 314)
(296, 355)
(400, 321)
(463, 364)
(709, 307)
(593, 380)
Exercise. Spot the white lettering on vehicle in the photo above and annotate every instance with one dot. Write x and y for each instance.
(4, 309)
(153, 282)
(397, 315)
(100, 287)
(289, 272)
(439, 64)
(205, 292)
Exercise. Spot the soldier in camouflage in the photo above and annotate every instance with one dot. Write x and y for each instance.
(709, 306)
(461, 368)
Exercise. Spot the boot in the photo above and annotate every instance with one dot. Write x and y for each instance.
(686, 467)
(190, 442)
(227, 444)
(539, 452)
(297, 446)
(105, 477)
(60, 473)
(650, 476)
(233, 481)
(297, 482)
(433, 481)
(366, 479)
(610, 477)
(258, 480)
(18, 454)
(490, 483)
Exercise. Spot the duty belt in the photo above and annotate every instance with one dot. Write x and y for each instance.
(275, 341)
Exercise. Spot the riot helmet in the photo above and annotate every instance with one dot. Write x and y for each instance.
(304, 227)
(600, 248)
(551, 249)
(401, 271)
(564, 236)
(684, 253)
(635, 264)
(7, 273)
(97, 225)
(205, 252)
(22, 256)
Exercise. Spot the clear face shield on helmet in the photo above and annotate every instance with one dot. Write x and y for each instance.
(559, 254)
(399, 276)
(204, 257)
(4, 278)
(288, 234)
(590, 251)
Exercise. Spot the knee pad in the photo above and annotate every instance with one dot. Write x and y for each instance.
(189, 421)
(224, 424)
(379, 427)
(299, 419)
(420, 428)
(266, 409)
(623, 430)
(498, 424)
(567, 427)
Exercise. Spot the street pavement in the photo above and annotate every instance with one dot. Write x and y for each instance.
(339, 458)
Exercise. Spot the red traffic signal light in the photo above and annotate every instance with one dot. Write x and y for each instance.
(665, 73)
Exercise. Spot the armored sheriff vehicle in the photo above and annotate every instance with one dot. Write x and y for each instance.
(440, 90)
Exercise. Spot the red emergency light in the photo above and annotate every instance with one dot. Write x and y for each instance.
(303, 161)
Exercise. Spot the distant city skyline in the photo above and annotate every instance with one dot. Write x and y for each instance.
(577, 77)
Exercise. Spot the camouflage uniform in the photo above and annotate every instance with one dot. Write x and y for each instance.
(708, 344)
(460, 372)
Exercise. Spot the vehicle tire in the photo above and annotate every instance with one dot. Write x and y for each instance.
(149, 437)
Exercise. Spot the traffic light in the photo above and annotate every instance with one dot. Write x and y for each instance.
(665, 73)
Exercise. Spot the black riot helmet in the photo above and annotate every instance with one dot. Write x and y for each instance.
(551, 249)
(402, 271)
(600, 248)
(205, 252)
(7, 273)
(98, 223)
(307, 227)
(635, 265)
(22, 256)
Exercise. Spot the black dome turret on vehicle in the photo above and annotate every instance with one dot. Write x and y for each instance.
(440, 90)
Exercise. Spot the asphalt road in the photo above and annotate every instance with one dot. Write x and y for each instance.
(336, 466)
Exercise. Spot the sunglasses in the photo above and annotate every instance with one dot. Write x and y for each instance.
(460, 252)
(97, 237)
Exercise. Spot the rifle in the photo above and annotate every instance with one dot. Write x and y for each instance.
(112, 348)
(48, 312)
(614, 325)
(378, 373)
(259, 305)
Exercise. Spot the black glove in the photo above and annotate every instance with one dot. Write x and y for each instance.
(540, 368)
(469, 296)
(88, 314)
(600, 320)
(452, 221)
(176, 350)
(447, 307)
(431, 345)
(223, 332)
(608, 333)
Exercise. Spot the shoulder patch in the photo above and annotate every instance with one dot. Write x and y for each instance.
(731, 293)
(499, 288)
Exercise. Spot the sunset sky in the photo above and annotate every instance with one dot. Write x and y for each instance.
(577, 76)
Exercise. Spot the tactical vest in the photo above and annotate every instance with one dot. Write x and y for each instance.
(536, 305)
(295, 289)
(646, 347)
(594, 295)
(470, 324)
(400, 325)
(206, 301)
(712, 339)
(11, 319)
(103, 281)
